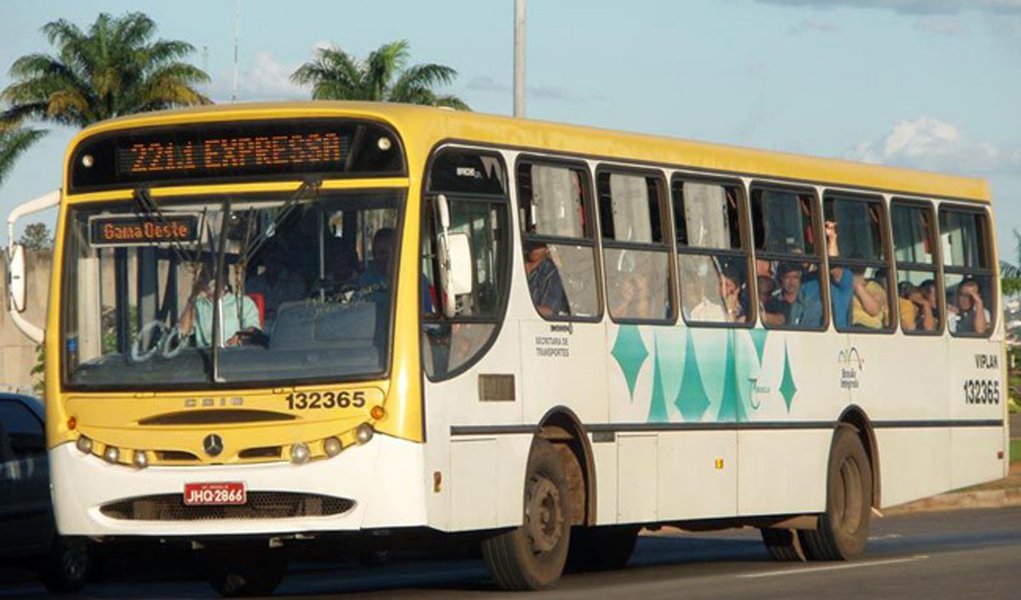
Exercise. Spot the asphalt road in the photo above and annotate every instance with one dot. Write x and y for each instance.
(961, 554)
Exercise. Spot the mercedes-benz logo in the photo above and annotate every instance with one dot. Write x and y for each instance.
(213, 444)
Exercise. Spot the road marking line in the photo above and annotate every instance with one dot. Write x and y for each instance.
(874, 563)
(888, 536)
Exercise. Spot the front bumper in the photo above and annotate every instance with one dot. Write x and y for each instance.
(384, 479)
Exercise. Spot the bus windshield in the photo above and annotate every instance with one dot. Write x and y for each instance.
(229, 289)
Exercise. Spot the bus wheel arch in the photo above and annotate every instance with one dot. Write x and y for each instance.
(564, 430)
(855, 417)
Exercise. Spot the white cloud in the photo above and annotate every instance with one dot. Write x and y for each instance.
(929, 143)
(268, 79)
(485, 83)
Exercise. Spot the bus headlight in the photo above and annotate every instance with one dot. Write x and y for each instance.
(299, 454)
(140, 459)
(332, 446)
(364, 433)
(84, 445)
(111, 454)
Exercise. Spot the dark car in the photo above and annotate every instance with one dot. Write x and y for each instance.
(28, 532)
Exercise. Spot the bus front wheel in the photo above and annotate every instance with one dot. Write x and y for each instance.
(236, 570)
(844, 528)
(532, 556)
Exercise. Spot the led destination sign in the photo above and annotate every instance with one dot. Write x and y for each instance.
(211, 155)
(236, 151)
(132, 230)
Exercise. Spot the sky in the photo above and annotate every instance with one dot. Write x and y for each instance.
(926, 84)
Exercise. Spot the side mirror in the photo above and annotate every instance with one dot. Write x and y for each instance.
(16, 287)
(455, 269)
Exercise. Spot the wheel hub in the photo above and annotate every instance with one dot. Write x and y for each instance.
(544, 516)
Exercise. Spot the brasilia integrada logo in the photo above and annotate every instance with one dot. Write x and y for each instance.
(851, 365)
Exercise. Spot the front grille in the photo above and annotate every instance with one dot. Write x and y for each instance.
(176, 456)
(261, 505)
(264, 452)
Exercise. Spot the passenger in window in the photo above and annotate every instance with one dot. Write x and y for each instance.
(377, 273)
(968, 314)
(916, 313)
(789, 302)
(340, 264)
(767, 286)
(634, 298)
(909, 310)
(841, 281)
(927, 293)
(869, 308)
(712, 291)
(239, 314)
(734, 292)
(544, 283)
(276, 283)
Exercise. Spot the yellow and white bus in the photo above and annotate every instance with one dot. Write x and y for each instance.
(273, 322)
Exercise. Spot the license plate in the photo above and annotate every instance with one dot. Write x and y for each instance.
(225, 493)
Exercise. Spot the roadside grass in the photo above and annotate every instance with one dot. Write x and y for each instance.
(1015, 451)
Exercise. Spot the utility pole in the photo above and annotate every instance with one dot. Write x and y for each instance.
(519, 58)
(237, 35)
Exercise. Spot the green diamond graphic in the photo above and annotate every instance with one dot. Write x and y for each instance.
(630, 354)
(657, 407)
(759, 339)
(787, 387)
(731, 409)
(692, 399)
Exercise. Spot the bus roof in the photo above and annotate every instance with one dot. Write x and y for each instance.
(422, 127)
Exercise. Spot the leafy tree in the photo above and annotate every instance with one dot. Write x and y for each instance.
(14, 141)
(1010, 274)
(36, 237)
(383, 77)
(114, 68)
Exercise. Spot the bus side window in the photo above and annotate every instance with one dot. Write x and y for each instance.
(787, 258)
(474, 184)
(859, 272)
(559, 241)
(919, 298)
(637, 260)
(967, 271)
(711, 260)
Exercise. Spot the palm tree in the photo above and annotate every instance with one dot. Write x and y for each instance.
(1010, 274)
(14, 141)
(115, 68)
(383, 77)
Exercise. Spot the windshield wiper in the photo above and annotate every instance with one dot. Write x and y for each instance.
(148, 207)
(221, 259)
(306, 189)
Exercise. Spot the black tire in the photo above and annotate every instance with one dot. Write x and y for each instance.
(66, 565)
(532, 556)
(245, 569)
(844, 528)
(601, 548)
(783, 545)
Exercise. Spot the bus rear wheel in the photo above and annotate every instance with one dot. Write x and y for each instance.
(783, 545)
(844, 528)
(532, 556)
(236, 570)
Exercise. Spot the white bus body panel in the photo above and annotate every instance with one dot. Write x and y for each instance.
(384, 478)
